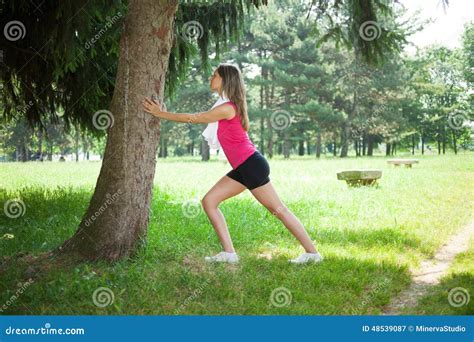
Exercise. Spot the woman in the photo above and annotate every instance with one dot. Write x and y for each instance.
(250, 170)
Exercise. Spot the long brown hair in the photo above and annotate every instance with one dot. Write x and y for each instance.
(234, 88)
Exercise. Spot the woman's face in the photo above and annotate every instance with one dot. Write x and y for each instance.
(216, 81)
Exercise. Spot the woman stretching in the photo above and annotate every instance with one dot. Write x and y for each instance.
(250, 169)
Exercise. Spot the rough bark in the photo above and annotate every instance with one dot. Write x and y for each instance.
(117, 218)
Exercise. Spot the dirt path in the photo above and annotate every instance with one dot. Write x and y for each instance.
(431, 271)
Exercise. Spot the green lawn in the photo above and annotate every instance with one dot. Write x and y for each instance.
(457, 286)
(368, 236)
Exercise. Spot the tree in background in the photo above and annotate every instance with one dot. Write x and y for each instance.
(71, 60)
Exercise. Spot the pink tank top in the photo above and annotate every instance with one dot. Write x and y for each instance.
(234, 140)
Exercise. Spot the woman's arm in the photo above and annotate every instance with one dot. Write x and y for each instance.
(215, 114)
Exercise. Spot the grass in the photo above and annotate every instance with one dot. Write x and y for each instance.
(454, 294)
(369, 237)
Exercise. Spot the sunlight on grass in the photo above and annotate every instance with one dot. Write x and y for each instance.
(368, 235)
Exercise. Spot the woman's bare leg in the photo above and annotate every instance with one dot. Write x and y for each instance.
(225, 188)
(267, 195)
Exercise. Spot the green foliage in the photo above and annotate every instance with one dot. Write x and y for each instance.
(369, 237)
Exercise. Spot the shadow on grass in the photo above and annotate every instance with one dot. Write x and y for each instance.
(337, 286)
(453, 296)
(153, 284)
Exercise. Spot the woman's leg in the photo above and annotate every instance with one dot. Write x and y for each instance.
(267, 195)
(225, 188)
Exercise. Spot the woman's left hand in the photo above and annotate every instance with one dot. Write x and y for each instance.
(152, 107)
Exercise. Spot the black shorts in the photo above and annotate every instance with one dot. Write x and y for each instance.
(253, 172)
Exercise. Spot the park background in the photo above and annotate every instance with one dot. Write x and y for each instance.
(331, 86)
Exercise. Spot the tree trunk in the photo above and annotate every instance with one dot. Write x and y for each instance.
(370, 145)
(413, 144)
(86, 144)
(455, 146)
(387, 149)
(422, 145)
(76, 143)
(364, 144)
(345, 133)
(40, 144)
(24, 152)
(318, 145)
(286, 144)
(116, 221)
(163, 151)
(301, 148)
(346, 128)
(205, 151)
(270, 137)
(334, 148)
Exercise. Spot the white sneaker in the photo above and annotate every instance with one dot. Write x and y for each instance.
(307, 258)
(231, 258)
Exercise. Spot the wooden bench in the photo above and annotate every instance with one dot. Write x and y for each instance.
(407, 162)
(360, 177)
